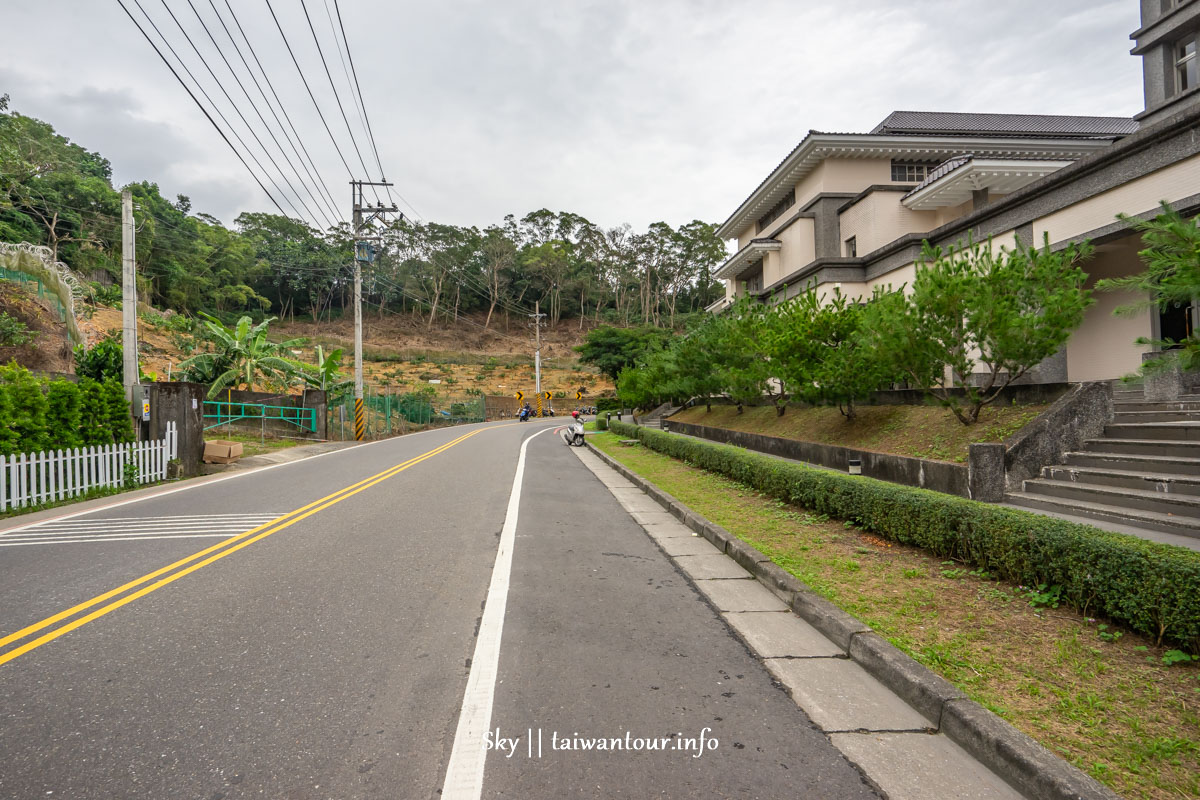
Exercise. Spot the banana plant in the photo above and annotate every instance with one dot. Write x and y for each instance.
(241, 356)
(326, 376)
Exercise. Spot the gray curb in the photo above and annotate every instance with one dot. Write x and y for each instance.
(1026, 765)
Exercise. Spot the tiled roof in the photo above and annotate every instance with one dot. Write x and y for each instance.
(933, 122)
(941, 170)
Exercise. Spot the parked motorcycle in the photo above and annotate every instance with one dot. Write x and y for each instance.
(573, 433)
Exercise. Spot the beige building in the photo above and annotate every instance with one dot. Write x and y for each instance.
(851, 210)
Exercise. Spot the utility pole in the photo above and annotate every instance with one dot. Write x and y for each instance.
(363, 251)
(537, 354)
(129, 345)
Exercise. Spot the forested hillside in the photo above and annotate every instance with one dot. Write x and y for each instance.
(57, 193)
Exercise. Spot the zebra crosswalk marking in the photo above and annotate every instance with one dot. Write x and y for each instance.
(125, 529)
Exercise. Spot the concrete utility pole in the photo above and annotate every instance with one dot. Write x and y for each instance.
(129, 345)
(537, 353)
(362, 252)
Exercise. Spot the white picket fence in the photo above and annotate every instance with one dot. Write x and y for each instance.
(34, 478)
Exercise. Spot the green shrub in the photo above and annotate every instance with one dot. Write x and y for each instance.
(63, 414)
(601, 423)
(118, 421)
(1150, 588)
(93, 413)
(101, 362)
(8, 437)
(13, 332)
(27, 409)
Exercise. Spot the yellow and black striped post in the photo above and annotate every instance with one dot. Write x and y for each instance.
(360, 422)
(539, 408)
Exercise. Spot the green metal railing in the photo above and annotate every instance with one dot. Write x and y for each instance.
(225, 412)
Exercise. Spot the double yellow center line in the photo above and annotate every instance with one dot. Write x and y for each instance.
(186, 566)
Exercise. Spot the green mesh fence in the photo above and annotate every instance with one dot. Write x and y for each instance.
(391, 413)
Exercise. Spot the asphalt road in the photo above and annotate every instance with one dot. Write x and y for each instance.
(326, 655)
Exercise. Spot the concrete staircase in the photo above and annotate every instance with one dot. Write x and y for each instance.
(655, 418)
(1144, 471)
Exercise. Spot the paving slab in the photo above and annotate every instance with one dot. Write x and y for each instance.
(688, 546)
(715, 566)
(747, 595)
(633, 496)
(839, 695)
(673, 529)
(918, 766)
(651, 517)
(780, 634)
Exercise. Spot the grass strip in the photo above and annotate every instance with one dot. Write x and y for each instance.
(1097, 695)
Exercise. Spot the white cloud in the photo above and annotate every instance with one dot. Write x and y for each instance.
(621, 110)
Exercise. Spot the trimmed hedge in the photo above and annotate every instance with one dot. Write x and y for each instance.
(1148, 587)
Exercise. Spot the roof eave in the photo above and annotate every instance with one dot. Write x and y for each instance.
(805, 149)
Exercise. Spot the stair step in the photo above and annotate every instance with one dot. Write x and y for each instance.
(1170, 523)
(1147, 500)
(1123, 417)
(1154, 447)
(1138, 462)
(1126, 406)
(1126, 478)
(1188, 431)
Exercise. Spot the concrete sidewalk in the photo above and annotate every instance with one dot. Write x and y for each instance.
(907, 729)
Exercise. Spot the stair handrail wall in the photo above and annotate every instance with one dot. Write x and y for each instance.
(1080, 414)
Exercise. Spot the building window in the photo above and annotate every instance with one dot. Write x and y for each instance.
(909, 171)
(852, 247)
(777, 210)
(1186, 65)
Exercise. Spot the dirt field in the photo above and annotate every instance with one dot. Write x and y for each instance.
(401, 354)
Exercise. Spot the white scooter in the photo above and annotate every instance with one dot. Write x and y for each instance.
(573, 433)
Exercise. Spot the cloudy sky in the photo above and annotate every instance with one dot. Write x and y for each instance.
(619, 110)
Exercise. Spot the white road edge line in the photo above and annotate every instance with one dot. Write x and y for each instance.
(464, 773)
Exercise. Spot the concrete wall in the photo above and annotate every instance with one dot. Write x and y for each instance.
(1103, 348)
(798, 247)
(1139, 195)
(938, 476)
(879, 219)
(1080, 414)
(183, 404)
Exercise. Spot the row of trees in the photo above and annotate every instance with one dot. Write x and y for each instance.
(976, 319)
(56, 193)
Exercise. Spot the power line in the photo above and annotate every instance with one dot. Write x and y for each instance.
(361, 103)
(356, 97)
(236, 109)
(197, 101)
(254, 105)
(336, 95)
(311, 96)
(237, 23)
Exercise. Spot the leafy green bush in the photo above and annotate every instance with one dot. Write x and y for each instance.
(101, 362)
(119, 423)
(27, 409)
(102, 295)
(13, 332)
(93, 413)
(601, 423)
(63, 416)
(1148, 587)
